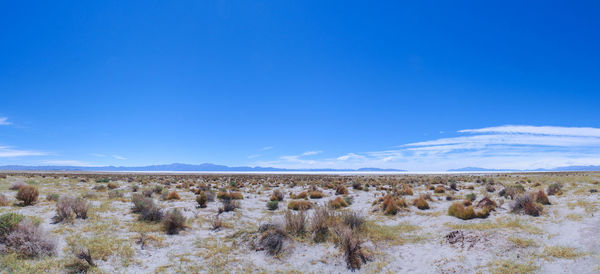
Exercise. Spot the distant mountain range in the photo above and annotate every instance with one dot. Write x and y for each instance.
(564, 168)
(206, 167)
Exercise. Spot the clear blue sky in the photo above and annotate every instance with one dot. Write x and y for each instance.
(299, 83)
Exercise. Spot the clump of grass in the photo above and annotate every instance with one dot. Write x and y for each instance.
(112, 185)
(229, 205)
(321, 219)
(277, 195)
(52, 197)
(524, 203)
(173, 222)
(351, 244)
(341, 190)
(3, 200)
(299, 205)
(17, 185)
(439, 189)
(271, 239)
(554, 189)
(420, 203)
(8, 222)
(357, 186)
(461, 211)
(316, 194)
(69, 209)
(337, 203)
(202, 199)
(230, 195)
(99, 188)
(540, 197)
(273, 205)
(27, 194)
(353, 220)
(295, 223)
(173, 195)
(29, 240)
(512, 191)
(523, 243)
(563, 252)
(471, 197)
(158, 189)
(405, 190)
(486, 202)
(392, 205)
(115, 194)
(301, 195)
(510, 267)
(148, 210)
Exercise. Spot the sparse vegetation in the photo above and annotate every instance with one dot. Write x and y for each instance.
(27, 194)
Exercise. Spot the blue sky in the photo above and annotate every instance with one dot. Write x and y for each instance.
(300, 83)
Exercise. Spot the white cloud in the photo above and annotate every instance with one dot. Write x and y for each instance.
(267, 148)
(119, 157)
(10, 152)
(4, 121)
(97, 155)
(253, 156)
(66, 163)
(309, 153)
(503, 147)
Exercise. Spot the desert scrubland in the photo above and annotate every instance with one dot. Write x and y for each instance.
(459, 223)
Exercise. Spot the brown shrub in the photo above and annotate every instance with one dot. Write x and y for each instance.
(316, 194)
(27, 194)
(17, 185)
(301, 195)
(337, 203)
(357, 185)
(439, 189)
(541, 198)
(277, 195)
(229, 205)
(295, 223)
(526, 204)
(406, 190)
(3, 200)
(299, 205)
(341, 190)
(229, 195)
(350, 243)
(29, 240)
(173, 222)
(420, 203)
(271, 239)
(173, 195)
(459, 210)
(69, 208)
(486, 202)
(353, 220)
(201, 199)
(554, 189)
(321, 219)
(391, 205)
(112, 185)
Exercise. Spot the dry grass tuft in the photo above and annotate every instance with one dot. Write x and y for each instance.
(464, 212)
(420, 203)
(295, 223)
(337, 203)
(299, 205)
(27, 194)
(173, 222)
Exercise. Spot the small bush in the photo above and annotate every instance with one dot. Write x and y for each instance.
(391, 205)
(540, 197)
(8, 222)
(148, 210)
(3, 200)
(17, 185)
(406, 190)
(201, 199)
(320, 222)
(29, 240)
(158, 189)
(112, 185)
(173, 222)
(147, 192)
(439, 189)
(271, 239)
(341, 190)
(486, 202)
(337, 203)
(357, 186)
(459, 210)
(420, 203)
(277, 195)
(115, 194)
(526, 204)
(27, 194)
(53, 197)
(554, 189)
(350, 243)
(135, 188)
(230, 195)
(295, 223)
(316, 194)
(273, 205)
(471, 197)
(69, 208)
(299, 205)
(229, 205)
(173, 195)
(512, 192)
(99, 188)
(353, 220)
(301, 195)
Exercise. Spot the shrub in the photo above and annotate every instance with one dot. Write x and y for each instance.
(27, 194)
(301, 195)
(554, 189)
(471, 197)
(320, 222)
(148, 210)
(316, 194)
(391, 205)
(439, 189)
(158, 189)
(230, 195)
(540, 197)
(273, 205)
(486, 202)
(147, 192)
(295, 223)
(229, 205)
(17, 185)
(3, 200)
(29, 240)
(112, 185)
(216, 223)
(115, 194)
(526, 204)
(299, 205)
(99, 188)
(350, 243)
(337, 203)
(69, 208)
(173, 195)
(53, 197)
(357, 186)
(277, 195)
(406, 190)
(173, 222)
(8, 222)
(271, 239)
(420, 203)
(341, 190)
(201, 199)
(135, 188)
(353, 220)
(490, 188)
(459, 210)
(512, 192)
(349, 199)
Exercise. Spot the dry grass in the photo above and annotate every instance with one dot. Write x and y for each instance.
(562, 252)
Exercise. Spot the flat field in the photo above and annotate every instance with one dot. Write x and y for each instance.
(146, 223)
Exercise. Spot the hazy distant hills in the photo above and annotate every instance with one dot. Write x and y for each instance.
(564, 168)
(180, 167)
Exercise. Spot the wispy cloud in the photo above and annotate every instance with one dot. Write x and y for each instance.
(119, 157)
(97, 155)
(267, 148)
(4, 121)
(310, 153)
(509, 147)
(254, 156)
(6, 151)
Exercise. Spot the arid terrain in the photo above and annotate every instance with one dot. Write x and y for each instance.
(452, 223)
